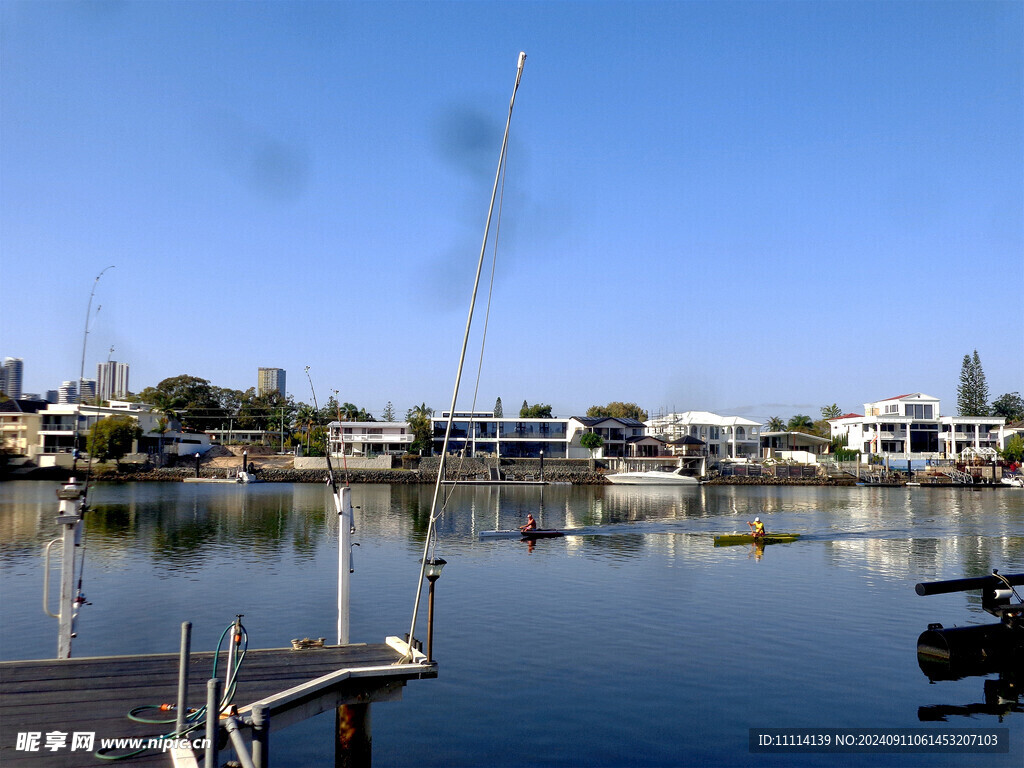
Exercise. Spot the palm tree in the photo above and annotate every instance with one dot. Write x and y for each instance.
(419, 422)
(304, 417)
(800, 423)
(775, 424)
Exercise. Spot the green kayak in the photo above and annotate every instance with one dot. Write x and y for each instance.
(728, 539)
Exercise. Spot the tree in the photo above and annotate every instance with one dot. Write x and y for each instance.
(617, 410)
(535, 411)
(831, 412)
(591, 441)
(972, 394)
(422, 428)
(775, 424)
(112, 437)
(800, 423)
(388, 414)
(1014, 450)
(498, 412)
(1010, 406)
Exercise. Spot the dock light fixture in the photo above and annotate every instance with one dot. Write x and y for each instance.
(432, 570)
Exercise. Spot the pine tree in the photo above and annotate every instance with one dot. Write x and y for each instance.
(972, 394)
(389, 412)
(981, 387)
(498, 413)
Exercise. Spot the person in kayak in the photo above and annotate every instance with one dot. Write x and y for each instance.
(757, 527)
(531, 524)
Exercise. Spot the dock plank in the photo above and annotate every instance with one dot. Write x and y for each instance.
(95, 694)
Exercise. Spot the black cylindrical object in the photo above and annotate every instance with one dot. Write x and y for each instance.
(961, 585)
(950, 654)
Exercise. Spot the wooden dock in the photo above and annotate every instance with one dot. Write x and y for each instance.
(94, 695)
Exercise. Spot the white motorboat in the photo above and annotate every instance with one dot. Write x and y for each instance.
(1014, 481)
(653, 477)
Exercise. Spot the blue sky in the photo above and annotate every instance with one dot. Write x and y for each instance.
(753, 208)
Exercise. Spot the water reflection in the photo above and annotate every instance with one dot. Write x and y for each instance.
(896, 533)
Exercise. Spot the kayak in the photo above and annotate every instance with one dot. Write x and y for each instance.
(729, 539)
(539, 533)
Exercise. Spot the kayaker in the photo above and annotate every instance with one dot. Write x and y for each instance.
(757, 527)
(531, 524)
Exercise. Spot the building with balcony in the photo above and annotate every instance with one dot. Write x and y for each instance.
(19, 424)
(56, 431)
(912, 426)
(367, 438)
(724, 437)
(482, 434)
(270, 380)
(112, 380)
(793, 446)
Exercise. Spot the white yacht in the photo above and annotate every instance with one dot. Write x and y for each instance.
(653, 477)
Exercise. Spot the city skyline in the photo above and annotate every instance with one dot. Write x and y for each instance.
(756, 209)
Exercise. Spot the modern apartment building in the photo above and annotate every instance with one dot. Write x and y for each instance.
(482, 434)
(112, 380)
(270, 380)
(68, 393)
(912, 427)
(14, 370)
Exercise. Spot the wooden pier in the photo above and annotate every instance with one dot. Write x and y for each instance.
(94, 695)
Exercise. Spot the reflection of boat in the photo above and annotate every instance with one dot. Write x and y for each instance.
(540, 533)
(653, 477)
(729, 539)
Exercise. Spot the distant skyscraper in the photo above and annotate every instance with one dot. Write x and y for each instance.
(68, 393)
(88, 390)
(13, 370)
(112, 380)
(52, 396)
(270, 380)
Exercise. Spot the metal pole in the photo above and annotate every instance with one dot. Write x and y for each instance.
(238, 743)
(183, 659)
(212, 721)
(430, 618)
(70, 519)
(344, 563)
(260, 737)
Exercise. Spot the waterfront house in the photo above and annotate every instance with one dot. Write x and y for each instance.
(365, 438)
(912, 426)
(19, 424)
(793, 446)
(732, 437)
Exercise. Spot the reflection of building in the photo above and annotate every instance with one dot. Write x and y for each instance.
(725, 436)
(362, 438)
(270, 380)
(112, 380)
(14, 368)
(912, 427)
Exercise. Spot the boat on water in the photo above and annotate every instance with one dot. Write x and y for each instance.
(1014, 481)
(730, 539)
(653, 477)
(537, 533)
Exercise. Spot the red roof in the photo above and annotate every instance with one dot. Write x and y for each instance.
(848, 416)
(900, 397)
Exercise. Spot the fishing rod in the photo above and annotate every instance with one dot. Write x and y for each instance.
(81, 369)
(431, 528)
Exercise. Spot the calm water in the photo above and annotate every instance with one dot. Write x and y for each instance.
(638, 643)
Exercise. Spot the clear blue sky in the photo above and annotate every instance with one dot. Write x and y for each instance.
(755, 208)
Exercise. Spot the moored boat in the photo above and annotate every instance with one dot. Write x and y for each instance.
(653, 477)
(729, 539)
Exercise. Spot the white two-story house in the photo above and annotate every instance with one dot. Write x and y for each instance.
(912, 427)
(726, 437)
